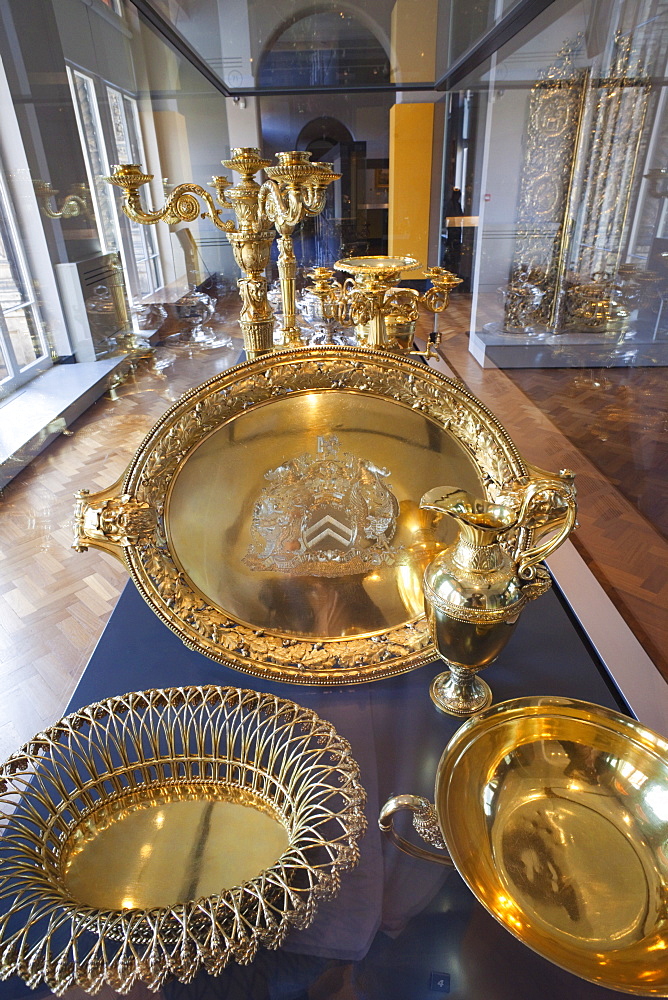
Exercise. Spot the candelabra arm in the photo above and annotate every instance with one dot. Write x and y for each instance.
(315, 195)
(182, 204)
(282, 207)
(221, 183)
(72, 206)
(437, 298)
(70, 209)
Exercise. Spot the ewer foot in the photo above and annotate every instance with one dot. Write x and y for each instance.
(460, 692)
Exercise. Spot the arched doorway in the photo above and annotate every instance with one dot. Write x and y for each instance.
(324, 48)
(321, 134)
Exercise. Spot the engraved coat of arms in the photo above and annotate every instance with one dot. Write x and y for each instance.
(329, 514)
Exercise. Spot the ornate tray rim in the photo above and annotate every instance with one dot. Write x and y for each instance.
(219, 635)
(122, 947)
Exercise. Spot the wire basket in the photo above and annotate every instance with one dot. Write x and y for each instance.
(158, 833)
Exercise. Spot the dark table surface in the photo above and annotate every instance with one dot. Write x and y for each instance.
(401, 928)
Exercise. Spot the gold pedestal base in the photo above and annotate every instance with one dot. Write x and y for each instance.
(258, 337)
(460, 693)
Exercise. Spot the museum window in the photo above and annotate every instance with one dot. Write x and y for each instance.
(24, 352)
(139, 255)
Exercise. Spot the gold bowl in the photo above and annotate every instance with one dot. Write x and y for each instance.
(555, 812)
(271, 517)
(162, 832)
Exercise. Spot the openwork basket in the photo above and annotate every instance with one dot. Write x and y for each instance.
(122, 822)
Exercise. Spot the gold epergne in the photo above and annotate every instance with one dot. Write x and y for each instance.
(383, 314)
(295, 188)
(475, 589)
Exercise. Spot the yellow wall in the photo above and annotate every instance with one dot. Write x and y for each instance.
(411, 144)
(413, 56)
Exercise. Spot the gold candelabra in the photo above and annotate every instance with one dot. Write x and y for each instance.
(294, 189)
(384, 315)
(75, 203)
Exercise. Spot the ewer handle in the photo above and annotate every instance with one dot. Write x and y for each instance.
(548, 503)
(424, 822)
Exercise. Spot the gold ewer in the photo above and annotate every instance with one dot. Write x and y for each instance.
(475, 589)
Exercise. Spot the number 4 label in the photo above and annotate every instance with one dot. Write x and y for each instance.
(440, 981)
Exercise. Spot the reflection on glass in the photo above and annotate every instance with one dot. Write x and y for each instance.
(23, 336)
(90, 128)
(129, 148)
(570, 239)
(329, 48)
(22, 339)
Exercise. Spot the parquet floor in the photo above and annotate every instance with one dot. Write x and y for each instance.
(54, 602)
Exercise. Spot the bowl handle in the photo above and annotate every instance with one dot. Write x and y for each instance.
(111, 520)
(425, 823)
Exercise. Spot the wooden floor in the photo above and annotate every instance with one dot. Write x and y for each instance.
(54, 602)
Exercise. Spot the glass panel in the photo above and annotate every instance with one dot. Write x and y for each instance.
(12, 291)
(4, 370)
(23, 337)
(129, 149)
(123, 150)
(469, 21)
(22, 340)
(291, 45)
(96, 159)
(559, 144)
(331, 48)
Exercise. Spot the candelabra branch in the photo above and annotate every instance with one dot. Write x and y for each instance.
(315, 194)
(73, 205)
(437, 298)
(283, 208)
(182, 205)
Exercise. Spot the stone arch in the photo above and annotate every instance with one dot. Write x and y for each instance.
(323, 133)
(270, 69)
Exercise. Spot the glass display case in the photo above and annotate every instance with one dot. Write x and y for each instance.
(513, 154)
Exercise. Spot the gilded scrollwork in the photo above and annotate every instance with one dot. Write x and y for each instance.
(554, 113)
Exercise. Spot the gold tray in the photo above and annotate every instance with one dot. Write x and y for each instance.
(167, 831)
(555, 812)
(271, 517)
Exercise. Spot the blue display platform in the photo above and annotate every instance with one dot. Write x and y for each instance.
(400, 929)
